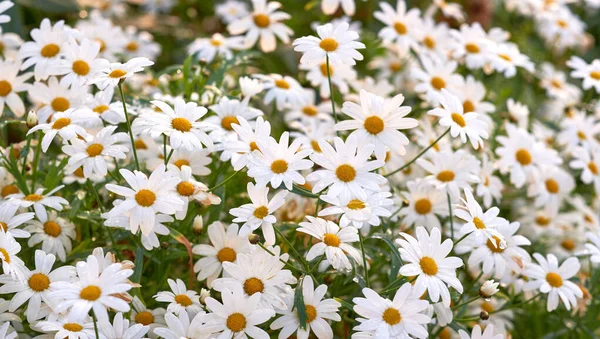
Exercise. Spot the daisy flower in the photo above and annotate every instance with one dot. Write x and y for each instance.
(95, 288)
(101, 103)
(146, 197)
(401, 25)
(67, 124)
(377, 121)
(67, 326)
(180, 299)
(140, 44)
(180, 123)
(39, 201)
(10, 220)
(358, 212)
(35, 287)
(329, 7)
(341, 76)
(238, 315)
(241, 151)
(228, 111)
(309, 110)
(518, 113)
(225, 246)
(490, 187)
(276, 163)
(426, 204)
(153, 318)
(46, 49)
(189, 189)
(550, 187)
(427, 257)
(402, 317)
(259, 213)
(451, 171)
(4, 6)
(11, 263)
(337, 43)
(94, 153)
(318, 311)
(478, 224)
(592, 248)
(55, 234)
(120, 329)
(437, 74)
(217, 45)
(589, 73)
(284, 90)
(114, 73)
(258, 274)
(550, 278)
(53, 97)
(347, 169)
(80, 63)
(556, 85)
(197, 159)
(478, 334)
(11, 84)
(472, 45)
(334, 242)
(508, 58)
(588, 161)
(231, 10)
(265, 22)
(11, 42)
(180, 326)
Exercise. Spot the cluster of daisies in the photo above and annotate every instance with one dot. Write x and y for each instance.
(412, 203)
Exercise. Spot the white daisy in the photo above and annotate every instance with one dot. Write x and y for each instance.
(284, 90)
(550, 187)
(55, 234)
(217, 45)
(241, 151)
(478, 334)
(67, 326)
(341, 77)
(589, 73)
(188, 189)
(10, 220)
(101, 103)
(588, 161)
(337, 43)
(228, 111)
(11, 84)
(67, 124)
(426, 204)
(359, 213)
(437, 74)
(231, 10)
(472, 45)
(120, 329)
(152, 318)
(178, 327)
(114, 73)
(11, 263)
(46, 49)
(39, 201)
(53, 97)
(480, 225)
(80, 63)
(180, 299)
(401, 25)
(490, 187)
(451, 171)
(329, 7)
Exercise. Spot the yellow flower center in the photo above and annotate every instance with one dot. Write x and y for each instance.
(102, 44)
(438, 83)
(117, 73)
(479, 223)
(400, 28)
(145, 198)
(90, 293)
(34, 197)
(145, 318)
(227, 121)
(226, 254)
(279, 166)
(523, 157)
(595, 75)
(183, 300)
(562, 23)
(542, 221)
(395, 67)
(216, 42)
(253, 146)
(236, 322)
(8, 190)
(423, 206)
(5, 255)
(331, 240)
(79, 172)
(185, 188)
(568, 244)
(3, 226)
(253, 285)
(356, 204)
(552, 186)
(262, 20)
(60, 104)
(345, 173)
(459, 119)
(52, 228)
(101, 109)
(50, 50)
(39, 282)
(281, 83)
(428, 266)
(5, 88)
(328, 44)
(315, 146)
(472, 48)
(495, 245)
(581, 135)
(261, 212)
(429, 42)
(311, 111)
(81, 67)
(593, 167)
(181, 124)
(445, 176)
(323, 68)
(391, 316)
(132, 46)
(61, 122)
(374, 124)
(94, 150)
(487, 307)
(468, 106)
(554, 279)
(555, 83)
(181, 162)
(505, 57)
(73, 327)
(311, 313)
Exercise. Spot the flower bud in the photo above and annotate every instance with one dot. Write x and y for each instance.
(484, 315)
(253, 238)
(198, 225)
(204, 293)
(32, 119)
(488, 289)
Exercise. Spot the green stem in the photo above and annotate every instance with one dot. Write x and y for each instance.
(461, 238)
(450, 216)
(418, 155)
(223, 182)
(331, 89)
(364, 258)
(466, 302)
(165, 149)
(36, 160)
(135, 156)
(295, 252)
(95, 324)
(23, 169)
(287, 264)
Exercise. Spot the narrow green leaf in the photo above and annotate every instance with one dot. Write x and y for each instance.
(396, 259)
(299, 304)
(303, 192)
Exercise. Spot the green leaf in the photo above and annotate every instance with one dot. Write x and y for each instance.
(139, 265)
(303, 192)
(396, 259)
(299, 304)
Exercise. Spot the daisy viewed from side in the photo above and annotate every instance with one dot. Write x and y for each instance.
(111, 75)
(67, 124)
(480, 225)
(39, 201)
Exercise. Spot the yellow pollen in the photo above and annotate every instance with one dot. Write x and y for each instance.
(39, 282)
(468, 106)
(185, 188)
(3, 226)
(8, 190)
(562, 23)
(73, 327)
(52, 228)
(505, 57)
(458, 119)
(253, 146)
(554, 279)
(94, 150)
(279, 166)
(315, 146)
(429, 42)
(90, 293)
(50, 50)
(145, 198)
(132, 46)
(281, 83)
(226, 254)
(568, 244)
(183, 300)
(311, 111)
(5, 88)
(216, 42)
(5, 255)
(479, 223)
(374, 124)
(117, 73)
(60, 104)
(395, 67)
(487, 307)
(445, 333)
(61, 122)
(445, 176)
(181, 124)
(542, 221)
(356, 204)
(581, 135)
(438, 83)
(328, 45)
(101, 109)
(495, 245)
(523, 157)
(79, 172)
(331, 240)
(34, 197)
(400, 28)
(595, 75)
(428, 266)
(262, 20)
(472, 48)
(311, 313)
(423, 206)
(261, 212)
(181, 162)
(556, 83)
(391, 316)
(227, 121)
(236, 322)
(253, 285)
(145, 318)
(102, 44)
(593, 167)
(345, 173)
(81, 67)
(552, 186)
(324, 70)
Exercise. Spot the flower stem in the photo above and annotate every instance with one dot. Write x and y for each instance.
(465, 303)
(330, 89)
(418, 155)
(364, 258)
(223, 182)
(296, 254)
(36, 160)
(450, 216)
(135, 156)
(95, 324)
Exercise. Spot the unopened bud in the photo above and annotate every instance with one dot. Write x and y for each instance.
(488, 289)
(253, 238)
(164, 245)
(32, 119)
(484, 315)
(204, 293)
(198, 225)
